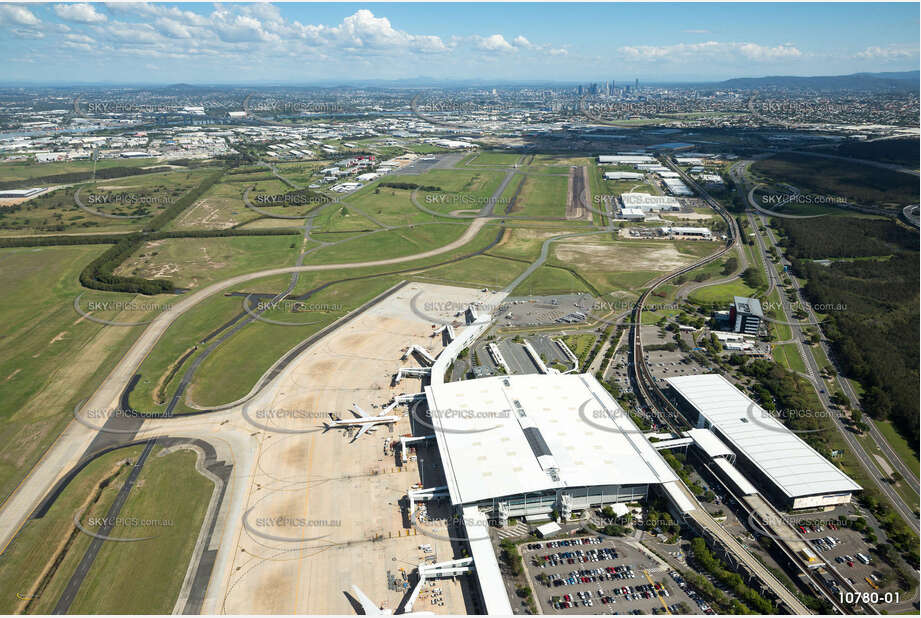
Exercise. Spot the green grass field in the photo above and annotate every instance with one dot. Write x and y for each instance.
(169, 492)
(494, 159)
(173, 494)
(25, 170)
(54, 538)
(389, 206)
(549, 280)
(478, 271)
(787, 355)
(195, 262)
(721, 293)
(580, 345)
(141, 197)
(344, 218)
(222, 378)
(522, 243)
(543, 197)
(160, 371)
(388, 244)
(900, 445)
(51, 358)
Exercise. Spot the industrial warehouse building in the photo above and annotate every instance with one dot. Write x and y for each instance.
(524, 445)
(627, 159)
(623, 176)
(649, 203)
(786, 469)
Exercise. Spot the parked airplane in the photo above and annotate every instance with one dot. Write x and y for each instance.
(363, 420)
(370, 608)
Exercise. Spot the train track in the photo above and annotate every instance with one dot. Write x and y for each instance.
(643, 379)
(666, 412)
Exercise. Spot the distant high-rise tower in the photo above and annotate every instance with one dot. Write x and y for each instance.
(636, 85)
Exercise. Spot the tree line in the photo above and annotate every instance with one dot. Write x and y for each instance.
(873, 317)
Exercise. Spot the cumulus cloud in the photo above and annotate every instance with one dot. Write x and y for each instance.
(248, 33)
(520, 41)
(17, 15)
(79, 13)
(495, 42)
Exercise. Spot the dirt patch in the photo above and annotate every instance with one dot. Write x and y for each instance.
(206, 213)
(169, 374)
(58, 337)
(622, 257)
(13, 375)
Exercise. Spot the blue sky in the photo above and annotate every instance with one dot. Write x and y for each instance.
(303, 43)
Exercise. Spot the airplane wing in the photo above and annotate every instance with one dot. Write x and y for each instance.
(358, 411)
(361, 432)
(370, 607)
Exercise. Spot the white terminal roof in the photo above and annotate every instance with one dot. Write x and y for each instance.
(508, 435)
(709, 443)
(794, 466)
(737, 477)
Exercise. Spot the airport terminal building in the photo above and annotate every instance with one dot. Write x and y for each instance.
(783, 467)
(524, 445)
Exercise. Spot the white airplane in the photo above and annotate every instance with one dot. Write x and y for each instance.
(363, 420)
(371, 608)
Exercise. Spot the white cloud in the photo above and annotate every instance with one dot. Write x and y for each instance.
(891, 52)
(558, 52)
(13, 14)
(520, 41)
(252, 35)
(682, 52)
(79, 13)
(495, 42)
(172, 28)
(240, 28)
(698, 31)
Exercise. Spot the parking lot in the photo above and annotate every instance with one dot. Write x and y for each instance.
(598, 575)
(839, 547)
(540, 310)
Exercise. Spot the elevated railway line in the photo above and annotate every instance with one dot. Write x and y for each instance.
(658, 404)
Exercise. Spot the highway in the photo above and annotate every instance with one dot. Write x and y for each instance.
(814, 372)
